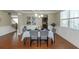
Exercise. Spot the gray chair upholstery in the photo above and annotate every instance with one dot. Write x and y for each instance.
(44, 36)
(33, 36)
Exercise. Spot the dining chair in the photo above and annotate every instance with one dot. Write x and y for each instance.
(44, 36)
(33, 36)
(54, 32)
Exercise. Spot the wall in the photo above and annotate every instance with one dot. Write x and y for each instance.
(4, 19)
(22, 20)
(5, 23)
(51, 18)
(68, 34)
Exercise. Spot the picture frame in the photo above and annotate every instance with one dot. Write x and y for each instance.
(31, 20)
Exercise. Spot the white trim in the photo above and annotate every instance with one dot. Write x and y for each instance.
(69, 34)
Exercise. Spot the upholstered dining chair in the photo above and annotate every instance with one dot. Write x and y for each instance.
(54, 32)
(44, 36)
(33, 36)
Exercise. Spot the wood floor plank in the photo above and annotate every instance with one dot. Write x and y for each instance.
(6, 42)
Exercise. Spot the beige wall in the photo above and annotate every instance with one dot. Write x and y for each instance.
(57, 19)
(4, 19)
(51, 18)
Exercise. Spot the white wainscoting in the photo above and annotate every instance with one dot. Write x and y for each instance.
(6, 29)
(69, 34)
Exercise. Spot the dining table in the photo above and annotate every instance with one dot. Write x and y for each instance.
(26, 34)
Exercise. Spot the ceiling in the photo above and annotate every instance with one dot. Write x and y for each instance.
(37, 11)
(32, 11)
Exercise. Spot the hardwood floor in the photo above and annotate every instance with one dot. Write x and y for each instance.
(8, 42)
(61, 43)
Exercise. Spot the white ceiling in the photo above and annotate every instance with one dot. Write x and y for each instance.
(32, 11)
(37, 11)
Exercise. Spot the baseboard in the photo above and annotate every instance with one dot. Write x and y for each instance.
(66, 40)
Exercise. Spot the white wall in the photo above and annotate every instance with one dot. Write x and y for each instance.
(23, 19)
(4, 19)
(68, 34)
(5, 23)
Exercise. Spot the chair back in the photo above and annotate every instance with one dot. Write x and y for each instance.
(43, 34)
(34, 34)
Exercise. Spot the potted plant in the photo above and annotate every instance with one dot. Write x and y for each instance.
(53, 25)
(54, 30)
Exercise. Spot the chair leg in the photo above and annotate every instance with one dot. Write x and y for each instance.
(54, 41)
(24, 41)
(30, 42)
(54, 38)
(40, 42)
(37, 42)
(47, 42)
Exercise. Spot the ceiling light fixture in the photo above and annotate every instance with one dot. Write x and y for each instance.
(41, 15)
(36, 15)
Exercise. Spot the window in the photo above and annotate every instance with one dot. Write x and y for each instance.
(70, 17)
(64, 23)
(74, 13)
(64, 17)
(74, 19)
(14, 19)
(74, 24)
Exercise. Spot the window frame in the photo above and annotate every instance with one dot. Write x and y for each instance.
(64, 19)
(69, 21)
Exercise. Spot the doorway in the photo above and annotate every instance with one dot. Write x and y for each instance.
(45, 22)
